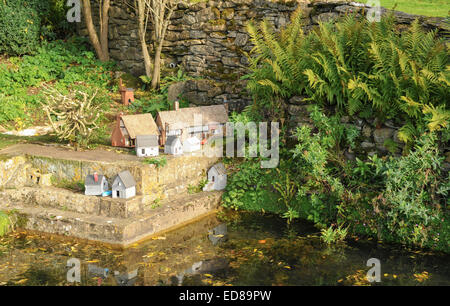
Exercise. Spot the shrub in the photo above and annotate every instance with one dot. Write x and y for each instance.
(361, 68)
(19, 29)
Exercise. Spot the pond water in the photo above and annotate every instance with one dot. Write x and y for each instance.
(224, 249)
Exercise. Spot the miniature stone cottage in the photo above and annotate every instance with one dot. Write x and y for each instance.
(200, 122)
(128, 127)
(217, 178)
(173, 146)
(95, 185)
(124, 186)
(147, 145)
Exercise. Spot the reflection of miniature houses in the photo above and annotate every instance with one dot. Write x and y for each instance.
(182, 122)
(128, 127)
(191, 144)
(95, 184)
(127, 94)
(147, 145)
(124, 186)
(173, 146)
(217, 178)
(127, 278)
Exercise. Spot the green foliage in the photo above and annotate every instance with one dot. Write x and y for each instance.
(333, 235)
(19, 29)
(362, 68)
(158, 162)
(4, 223)
(197, 188)
(67, 65)
(24, 24)
(156, 100)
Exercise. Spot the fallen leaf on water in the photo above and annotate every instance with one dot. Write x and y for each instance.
(22, 281)
(262, 241)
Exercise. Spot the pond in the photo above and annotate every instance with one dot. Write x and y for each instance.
(224, 249)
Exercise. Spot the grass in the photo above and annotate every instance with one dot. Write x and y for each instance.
(434, 8)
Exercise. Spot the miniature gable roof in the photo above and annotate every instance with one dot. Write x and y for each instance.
(127, 179)
(140, 125)
(90, 181)
(145, 141)
(171, 140)
(184, 117)
(220, 168)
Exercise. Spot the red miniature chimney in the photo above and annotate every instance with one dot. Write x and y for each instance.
(96, 177)
(127, 94)
(176, 105)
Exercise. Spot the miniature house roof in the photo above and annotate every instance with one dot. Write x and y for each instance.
(142, 124)
(171, 140)
(90, 180)
(127, 179)
(145, 141)
(184, 117)
(220, 168)
(192, 141)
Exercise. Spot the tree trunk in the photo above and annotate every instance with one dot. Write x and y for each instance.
(104, 22)
(100, 49)
(142, 37)
(157, 67)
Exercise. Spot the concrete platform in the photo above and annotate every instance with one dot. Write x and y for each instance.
(112, 230)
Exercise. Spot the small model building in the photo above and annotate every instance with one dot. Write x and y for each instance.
(126, 94)
(217, 178)
(173, 146)
(128, 127)
(95, 184)
(124, 186)
(200, 122)
(191, 144)
(147, 145)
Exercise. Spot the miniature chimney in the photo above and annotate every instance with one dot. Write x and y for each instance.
(176, 105)
(127, 94)
(96, 177)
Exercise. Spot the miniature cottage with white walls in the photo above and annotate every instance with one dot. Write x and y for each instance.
(217, 178)
(201, 122)
(173, 146)
(95, 184)
(147, 145)
(124, 186)
(191, 144)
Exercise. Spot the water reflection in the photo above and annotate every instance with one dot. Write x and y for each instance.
(235, 249)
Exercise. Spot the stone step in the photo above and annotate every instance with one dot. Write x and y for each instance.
(117, 231)
(67, 200)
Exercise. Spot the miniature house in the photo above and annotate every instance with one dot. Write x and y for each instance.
(173, 146)
(200, 122)
(124, 186)
(191, 144)
(128, 127)
(147, 145)
(126, 94)
(95, 184)
(217, 178)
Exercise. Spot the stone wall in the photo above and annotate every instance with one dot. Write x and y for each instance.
(209, 40)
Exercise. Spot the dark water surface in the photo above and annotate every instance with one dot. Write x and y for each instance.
(229, 249)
